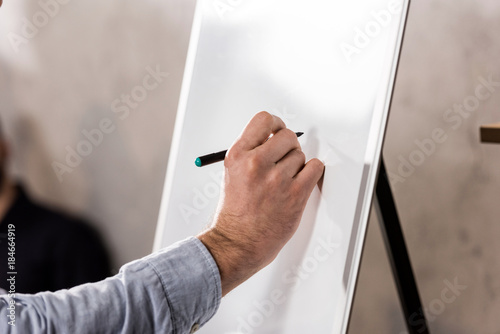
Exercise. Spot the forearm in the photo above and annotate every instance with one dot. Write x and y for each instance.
(166, 292)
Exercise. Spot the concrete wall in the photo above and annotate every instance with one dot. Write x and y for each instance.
(448, 205)
(64, 81)
(65, 78)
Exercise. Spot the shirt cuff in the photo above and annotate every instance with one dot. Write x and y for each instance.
(191, 282)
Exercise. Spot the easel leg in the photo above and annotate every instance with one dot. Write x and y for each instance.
(398, 256)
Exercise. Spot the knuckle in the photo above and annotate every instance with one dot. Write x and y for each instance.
(278, 119)
(301, 155)
(232, 155)
(275, 178)
(229, 161)
(264, 116)
(290, 135)
(254, 163)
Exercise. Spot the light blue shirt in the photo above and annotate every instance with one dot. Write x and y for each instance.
(176, 290)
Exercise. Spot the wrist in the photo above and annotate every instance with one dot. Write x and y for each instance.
(236, 260)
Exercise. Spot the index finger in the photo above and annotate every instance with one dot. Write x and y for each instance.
(258, 130)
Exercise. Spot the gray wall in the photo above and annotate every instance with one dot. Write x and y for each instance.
(65, 79)
(448, 205)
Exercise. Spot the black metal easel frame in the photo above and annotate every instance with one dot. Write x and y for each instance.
(398, 256)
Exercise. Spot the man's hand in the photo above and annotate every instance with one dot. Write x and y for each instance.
(265, 190)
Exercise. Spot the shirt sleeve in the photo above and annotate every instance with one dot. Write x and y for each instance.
(176, 290)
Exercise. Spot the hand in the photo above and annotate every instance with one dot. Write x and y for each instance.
(265, 190)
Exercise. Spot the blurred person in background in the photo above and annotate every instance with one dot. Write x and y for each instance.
(53, 251)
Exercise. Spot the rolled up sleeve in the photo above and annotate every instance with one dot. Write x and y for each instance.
(176, 290)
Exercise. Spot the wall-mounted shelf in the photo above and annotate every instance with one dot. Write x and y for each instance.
(490, 133)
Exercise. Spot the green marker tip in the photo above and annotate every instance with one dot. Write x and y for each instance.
(197, 162)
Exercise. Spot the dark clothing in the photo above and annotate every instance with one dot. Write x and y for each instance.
(53, 251)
